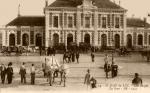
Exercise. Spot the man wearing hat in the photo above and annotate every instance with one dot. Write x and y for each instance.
(3, 73)
(23, 73)
(87, 78)
(9, 73)
(137, 81)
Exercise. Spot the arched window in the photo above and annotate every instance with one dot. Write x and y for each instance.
(12, 40)
(129, 41)
(140, 39)
(87, 38)
(55, 39)
(38, 39)
(117, 41)
(25, 39)
(104, 41)
(69, 39)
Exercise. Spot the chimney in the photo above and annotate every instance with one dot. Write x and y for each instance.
(46, 3)
(145, 21)
(19, 10)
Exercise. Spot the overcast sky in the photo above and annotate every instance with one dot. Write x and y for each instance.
(9, 8)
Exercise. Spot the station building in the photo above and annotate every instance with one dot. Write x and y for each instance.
(100, 23)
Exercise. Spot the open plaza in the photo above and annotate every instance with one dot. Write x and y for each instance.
(128, 65)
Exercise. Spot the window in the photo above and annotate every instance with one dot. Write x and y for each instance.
(99, 20)
(117, 22)
(70, 22)
(55, 24)
(103, 22)
(149, 39)
(87, 22)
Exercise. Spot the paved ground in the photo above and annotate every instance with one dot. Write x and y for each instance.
(127, 67)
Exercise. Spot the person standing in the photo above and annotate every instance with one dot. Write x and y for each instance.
(77, 56)
(114, 70)
(87, 78)
(106, 69)
(106, 58)
(23, 73)
(137, 81)
(3, 73)
(69, 57)
(64, 58)
(92, 57)
(9, 73)
(32, 74)
(73, 56)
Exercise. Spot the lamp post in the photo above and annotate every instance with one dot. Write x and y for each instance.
(112, 51)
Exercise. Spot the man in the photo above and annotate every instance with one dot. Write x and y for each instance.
(77, 56)
(106, 58)
(23, 73)
(9, 73)
(107, 68)
(114, 69)
(73, 56)
(137, 81)
(32, 74)
(3, 73)
(93, 82)
(87, 78)
(92, 56)
(69, 57)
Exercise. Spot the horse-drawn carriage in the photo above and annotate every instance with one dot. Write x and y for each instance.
(53, 69)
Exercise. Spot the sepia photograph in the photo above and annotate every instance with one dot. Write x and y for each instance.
(67, 46)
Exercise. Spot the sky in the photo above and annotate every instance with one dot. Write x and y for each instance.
(9, 8)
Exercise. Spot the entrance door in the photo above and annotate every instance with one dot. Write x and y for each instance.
(38, 40)
(87, 38)
(104, 41)
(140, 40)
(25, 40)
(129, 41)
(69, 39)
(55, 39)
(12, 40)
(117, 41)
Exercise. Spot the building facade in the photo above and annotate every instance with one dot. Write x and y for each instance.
(100, 23)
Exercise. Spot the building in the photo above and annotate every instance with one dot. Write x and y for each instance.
(137, 33)
(99, 23)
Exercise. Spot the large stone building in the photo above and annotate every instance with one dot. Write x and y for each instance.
(99, 23)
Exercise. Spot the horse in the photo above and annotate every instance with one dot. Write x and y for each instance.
(53, 70)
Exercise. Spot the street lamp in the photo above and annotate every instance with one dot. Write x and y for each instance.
(112, 51)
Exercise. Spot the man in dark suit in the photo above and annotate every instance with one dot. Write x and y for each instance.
(3, 73)
(9, 73)
(77, 56)
(137, 81)
(107, 68)
(114, 70)
(23, 73)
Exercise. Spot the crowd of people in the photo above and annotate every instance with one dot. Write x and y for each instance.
(7, 73)
(68, 57)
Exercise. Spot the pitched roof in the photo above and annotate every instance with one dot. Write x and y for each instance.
(137, 22)
(75, 3)
(28, 21)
